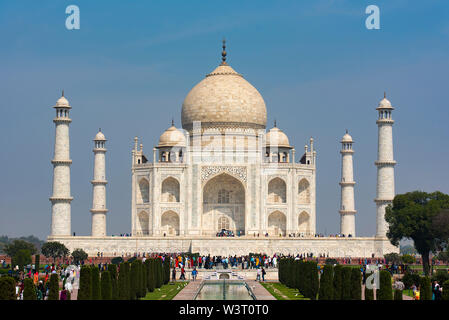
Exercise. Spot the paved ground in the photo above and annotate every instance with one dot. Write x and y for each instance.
(259, 291)
(189, 291)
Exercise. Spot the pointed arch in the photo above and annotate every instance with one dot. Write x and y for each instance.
(277, 191)
(170, 190)
(143, 223)
(304, 191)
(277, 224)
(304, 223)
(170, 223)
(143, 192)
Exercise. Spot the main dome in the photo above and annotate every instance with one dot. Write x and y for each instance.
(224, 99)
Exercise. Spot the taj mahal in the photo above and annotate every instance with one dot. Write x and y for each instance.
(223, 170)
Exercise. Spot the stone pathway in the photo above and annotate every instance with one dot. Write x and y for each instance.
(189, 291)
(259, 291)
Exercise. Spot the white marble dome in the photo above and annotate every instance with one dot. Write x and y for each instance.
(276, 137)
(100, 136)
(384, 104)
(172, 137)
(224, 99)
(346, 138)
(62, 102)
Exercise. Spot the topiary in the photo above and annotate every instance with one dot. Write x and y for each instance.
(54, 287)
(356, 284)
(37, 261)
(96, 289)
(385, 291)
(134, 280)
(440, 276)
(446, 290)
(106, 286)
(117, 260)
(338, 269)
(123, 293)
(326, 291)
(346, 283)
(397, 294)
(369, 294)
(85, 289)
(29, 290)
(7, 288)
(112, 268)
(425, 290)
(314, 280)
(410, 279)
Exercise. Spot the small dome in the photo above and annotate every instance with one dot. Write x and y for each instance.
(100, 137)
(172, 137)
(346, 138)
(276, 138)
(62, 102)
(384, 104)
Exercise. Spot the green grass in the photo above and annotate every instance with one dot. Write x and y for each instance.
(408, 292)
(282, 292)
(166, 292)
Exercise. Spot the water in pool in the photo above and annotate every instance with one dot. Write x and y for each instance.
(224, 290)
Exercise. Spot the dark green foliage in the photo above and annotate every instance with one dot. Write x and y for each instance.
(106, 286)
(79, 255)
(356, 284)
(410, 279)
(440, 276)
(96, 289)
(331, 261)
(54, 250)
(446, 290)
(408, 259)
(21, 258)
(314, 280)
(338, 282)
(37, 261)
(134, 280)
(158, 273)
(29, 290)
(128, 280)
(12, 248)
(392, 258)
(117, 260)
(150, 276)
(385, 291)
(144, 272)
(422, 217)
(166, 270)
(397, 294)
(123, 293)
(326, 291)
(425, 290)
(112, 268)
(7, 288)
(346, 283)
(85, 289)
(54, 287)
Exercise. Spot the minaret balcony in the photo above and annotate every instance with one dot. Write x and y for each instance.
(60, 161)
(94, 182)
(347, 211)
(347, 183)
(62, 120)
(98, 210)
(61, 199)
(385, 162)
(385, 121)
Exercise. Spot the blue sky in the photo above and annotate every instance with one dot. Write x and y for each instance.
(129, 67)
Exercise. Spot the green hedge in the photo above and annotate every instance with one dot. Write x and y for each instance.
(397, 294)
(106, 285)
(29, 290)
(112, 268)
(385, 292)
(326, 291)
(446, 290)
(85, 289)
(338, 282)
(96, 289)
(425, 292)
(356, 284)
(7, 288)
(54, 287)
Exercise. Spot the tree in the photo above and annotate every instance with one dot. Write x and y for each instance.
(54, 287)
(79, 255)
(385, 291)
(112, 268)
(369, 293)
(150, 277)
(11, 249)
(314, 280)
(37, 261)
(346, 283)
(356, 284)
(7, 288)
(338, 282)
(54, 250)
(422, 217)
(392, 258)
(326, 291)
(134, 280)
(29, 290)
(425, 292)
(123, 292)
(408, 259)
(443, 256)
(21, 258)
(96, 289)
(85, 289)
(106, 286)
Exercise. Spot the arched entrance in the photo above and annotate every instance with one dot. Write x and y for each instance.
(277, 224)
(170, 223)
(223, 205)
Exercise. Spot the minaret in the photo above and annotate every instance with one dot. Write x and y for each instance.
(61, 198)
(347, 208)
(385, 164)
(99, 187)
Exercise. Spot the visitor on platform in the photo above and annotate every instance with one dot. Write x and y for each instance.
(194, 274)
(173, 274)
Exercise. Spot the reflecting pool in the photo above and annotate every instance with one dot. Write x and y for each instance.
(224, 290)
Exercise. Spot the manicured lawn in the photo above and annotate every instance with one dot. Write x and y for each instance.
(166, 292)
(281, 292)
(408, 292)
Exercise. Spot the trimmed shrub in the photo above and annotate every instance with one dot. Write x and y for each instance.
(7, 288)
(346, 283)
(37, 261)
(385, 292)
(123, 293)
(54, 287)
(446, 290)
(29, 290)
(106, 286)
(338, 270)
(117, 260)
(314, 280)
(134, 280)
(397, 294)
(425, 290)
(369, 294)
(356, 284)
(440, 276)
(410, 279)
(150, 278)
(326, 291)
(85, 289)
(96, 289)
(166, 270)
(112, 268)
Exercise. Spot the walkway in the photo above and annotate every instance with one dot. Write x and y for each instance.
(259, 291)
(189, 291)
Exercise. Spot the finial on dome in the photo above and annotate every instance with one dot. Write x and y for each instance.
(385, 94)
(99, 130)
(223, 53)
(172, 122)
(346, 130)
(275, 123)
(63, 92)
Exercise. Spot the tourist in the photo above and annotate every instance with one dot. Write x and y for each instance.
(194, 273)
(173, 274)
(263, 274)
(259, 273)
(182, 277)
